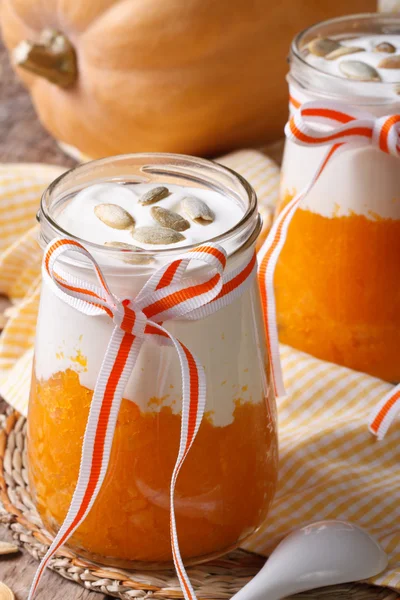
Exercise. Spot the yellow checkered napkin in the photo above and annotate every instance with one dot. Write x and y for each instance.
(331, 466)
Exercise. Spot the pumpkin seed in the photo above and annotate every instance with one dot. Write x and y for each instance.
(154, 195)
(157, 235)
(134, 259)
(114, 216)
(385, 47)
(5, 592)
(342, 51)
(390, 62)
(169, 218)
(322, 46)
(360, 71)
(121, 245)
(197, 210)
(6, 548)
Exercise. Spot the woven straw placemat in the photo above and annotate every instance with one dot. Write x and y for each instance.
(218, 579)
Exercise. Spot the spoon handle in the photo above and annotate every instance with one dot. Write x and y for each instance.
(263, 587)
(317, 555)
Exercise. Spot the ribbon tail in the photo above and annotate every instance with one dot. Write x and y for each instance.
(193, 406)
(269, 255)
(119, 360)
(268, 258)
(384, 413)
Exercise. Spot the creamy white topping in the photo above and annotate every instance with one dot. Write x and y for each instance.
(78, 216)
(369, 56)
(364, 180)
(361, 181)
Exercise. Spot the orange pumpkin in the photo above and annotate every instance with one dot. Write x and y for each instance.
(192, 76)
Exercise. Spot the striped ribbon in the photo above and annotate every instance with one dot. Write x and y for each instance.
(165, 296)
(342, 128)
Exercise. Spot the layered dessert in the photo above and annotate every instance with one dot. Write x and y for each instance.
(337, 277)
(229, 478)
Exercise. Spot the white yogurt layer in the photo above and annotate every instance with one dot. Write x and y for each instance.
(363, 181)
(78, 216)
(369, 56)
(230, 343)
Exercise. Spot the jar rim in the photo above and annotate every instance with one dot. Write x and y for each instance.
(250, 220)
(355, 19)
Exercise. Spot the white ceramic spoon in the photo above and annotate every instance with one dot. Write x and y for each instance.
(320, 554)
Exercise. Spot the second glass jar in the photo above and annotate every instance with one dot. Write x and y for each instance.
(337, 289)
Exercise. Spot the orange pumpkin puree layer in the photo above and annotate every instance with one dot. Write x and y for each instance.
(223, 492)
(338, 293)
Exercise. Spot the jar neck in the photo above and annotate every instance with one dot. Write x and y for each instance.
(315, 84)
(151, 168)
(312, 85)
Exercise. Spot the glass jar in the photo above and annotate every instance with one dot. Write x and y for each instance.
(236, 447)
(336, 281)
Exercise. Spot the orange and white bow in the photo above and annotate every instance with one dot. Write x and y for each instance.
(165, 296)
(342, 128)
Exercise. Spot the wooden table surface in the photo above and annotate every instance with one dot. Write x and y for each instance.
(23, 139)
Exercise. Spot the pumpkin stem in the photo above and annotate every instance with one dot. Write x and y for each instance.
(52, 57)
